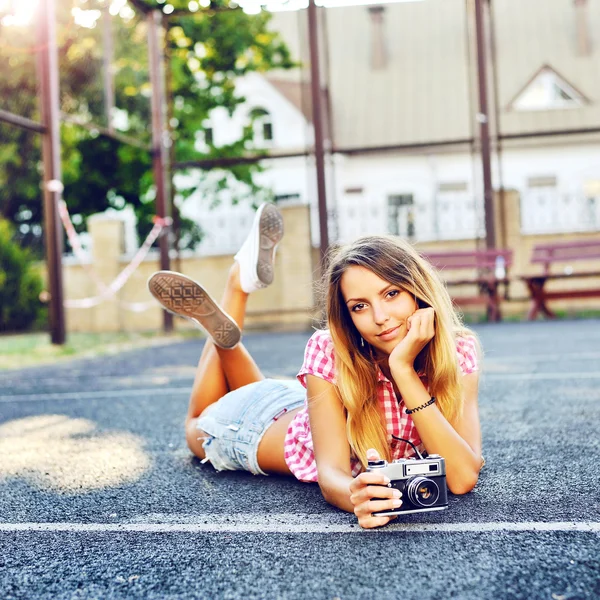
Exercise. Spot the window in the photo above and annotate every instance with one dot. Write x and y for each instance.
(208, 136)
(262, 126)
(547, 91)
(550, 209)
(454, 214)
(267, 131)
(401, 216)
(204, 137)
(287, 198)
(591, 204)
(542, 206)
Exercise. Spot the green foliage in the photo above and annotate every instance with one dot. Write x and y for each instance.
(20, 285)
(205, 53)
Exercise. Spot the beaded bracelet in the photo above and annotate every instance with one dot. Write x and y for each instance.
(410, 411)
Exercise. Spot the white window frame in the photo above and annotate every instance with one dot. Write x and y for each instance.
(542, 93)
(261, 119)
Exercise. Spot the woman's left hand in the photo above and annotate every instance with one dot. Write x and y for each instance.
(421, 329)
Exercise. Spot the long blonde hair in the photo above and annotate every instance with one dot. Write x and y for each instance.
(397, 262)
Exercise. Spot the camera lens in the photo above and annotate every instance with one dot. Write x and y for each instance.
(423, 491)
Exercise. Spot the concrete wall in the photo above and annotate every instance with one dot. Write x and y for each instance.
(290, 302)
(287, 304)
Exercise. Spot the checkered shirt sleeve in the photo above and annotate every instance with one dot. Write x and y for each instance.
(468, 360)
(318, 358)
(298, 448)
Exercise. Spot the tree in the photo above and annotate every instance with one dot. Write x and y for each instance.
(206, 52)
(20, 285)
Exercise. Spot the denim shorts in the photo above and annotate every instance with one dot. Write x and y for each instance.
(233, 427)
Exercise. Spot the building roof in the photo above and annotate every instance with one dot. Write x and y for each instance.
(538, 33)
(427, 90)
(296, 92)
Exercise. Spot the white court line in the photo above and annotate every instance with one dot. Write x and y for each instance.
(541, 376)
(99, 394)
(527, 358)
(270, 525)
(132, 393)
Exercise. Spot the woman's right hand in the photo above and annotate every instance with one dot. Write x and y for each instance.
(369, 493)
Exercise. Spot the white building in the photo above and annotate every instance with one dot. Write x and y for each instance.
(401, 90)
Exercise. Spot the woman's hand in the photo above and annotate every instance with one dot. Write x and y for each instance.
(369, 493)
(421, 329)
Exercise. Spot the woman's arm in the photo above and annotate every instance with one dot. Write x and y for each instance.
(331, 448)
(332, 455)
(460, 442)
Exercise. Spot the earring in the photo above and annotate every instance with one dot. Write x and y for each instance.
(362, 342)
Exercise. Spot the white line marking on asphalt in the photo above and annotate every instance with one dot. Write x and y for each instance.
(527, 358)
(541, 376)
(98, 394)
(270, 525)
(129, 393)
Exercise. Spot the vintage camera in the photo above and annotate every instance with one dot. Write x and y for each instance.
(422, 482)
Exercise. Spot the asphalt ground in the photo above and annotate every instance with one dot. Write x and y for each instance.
(100, 498)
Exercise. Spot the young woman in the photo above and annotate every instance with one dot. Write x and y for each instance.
(395, 362)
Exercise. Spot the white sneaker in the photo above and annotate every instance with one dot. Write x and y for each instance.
(184, 297)
(257, 254)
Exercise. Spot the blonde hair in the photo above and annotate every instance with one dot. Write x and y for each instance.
(397, 262)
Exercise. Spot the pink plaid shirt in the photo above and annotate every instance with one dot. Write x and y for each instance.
(319, 361)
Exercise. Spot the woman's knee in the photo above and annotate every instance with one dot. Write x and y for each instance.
(194, 437)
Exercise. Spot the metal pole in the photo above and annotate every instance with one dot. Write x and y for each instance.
(159, 153)
(315, 88)
(503, 242)
(22, 122)
(107, 67)
(50, 116)
(483, 118)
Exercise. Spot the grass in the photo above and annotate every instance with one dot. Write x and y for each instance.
(472, 318)
(30, 349)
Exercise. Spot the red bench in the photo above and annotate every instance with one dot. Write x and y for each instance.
(486, 270)
(564, 253)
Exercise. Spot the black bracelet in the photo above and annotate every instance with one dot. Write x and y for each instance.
(410, 411)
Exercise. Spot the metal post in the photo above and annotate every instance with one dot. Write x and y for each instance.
(107, 67)
(52, 186)
(483, 118)
(315, 88)
(159, 154)
(503, 242)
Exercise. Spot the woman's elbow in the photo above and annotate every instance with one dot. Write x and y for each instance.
(334, 494)
(326, 493)
(464, 484)
(333, 497)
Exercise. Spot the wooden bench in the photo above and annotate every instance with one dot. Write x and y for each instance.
(563, 253)
(485, 269)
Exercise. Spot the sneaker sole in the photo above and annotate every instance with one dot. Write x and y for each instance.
(271, 232)
(186, 298)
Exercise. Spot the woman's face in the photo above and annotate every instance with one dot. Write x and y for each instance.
(379, 309)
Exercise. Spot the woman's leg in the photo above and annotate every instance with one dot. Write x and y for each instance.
(270, 453)
(221, 370)
(224, 364)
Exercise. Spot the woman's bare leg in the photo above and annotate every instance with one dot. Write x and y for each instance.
(225, 364)
(271, 453)
(220, 371)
